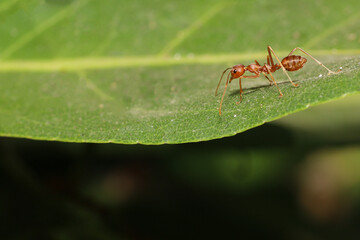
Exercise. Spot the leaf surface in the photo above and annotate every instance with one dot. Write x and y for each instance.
(146, 72)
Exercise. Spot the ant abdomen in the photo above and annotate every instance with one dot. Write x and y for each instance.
(293, 62)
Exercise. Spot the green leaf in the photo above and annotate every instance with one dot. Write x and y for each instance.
(146, 72)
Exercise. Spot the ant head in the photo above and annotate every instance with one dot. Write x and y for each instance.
(237, 71)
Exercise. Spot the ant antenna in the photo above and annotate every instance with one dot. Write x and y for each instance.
(222, 98)
(220, 80)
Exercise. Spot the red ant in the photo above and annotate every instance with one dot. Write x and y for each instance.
(289, 63)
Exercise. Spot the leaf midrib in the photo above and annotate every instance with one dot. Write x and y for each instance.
(90, 63)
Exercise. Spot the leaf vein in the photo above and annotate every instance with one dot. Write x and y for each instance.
(50, 22)
(7, 5)
(328, 31)
(185, 33)
(92, 86)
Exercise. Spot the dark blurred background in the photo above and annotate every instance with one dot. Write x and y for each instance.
(276, 181)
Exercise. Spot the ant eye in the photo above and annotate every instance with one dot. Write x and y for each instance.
(235, 71)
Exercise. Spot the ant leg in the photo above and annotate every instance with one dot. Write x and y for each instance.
(271, 82)
(292, 51)
(269, 56)
(284, 70)
(222, 98)
(268, 60)
(268, 68)
(241, 91)
(317, 61)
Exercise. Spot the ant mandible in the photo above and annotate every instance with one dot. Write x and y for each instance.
(289, 63)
